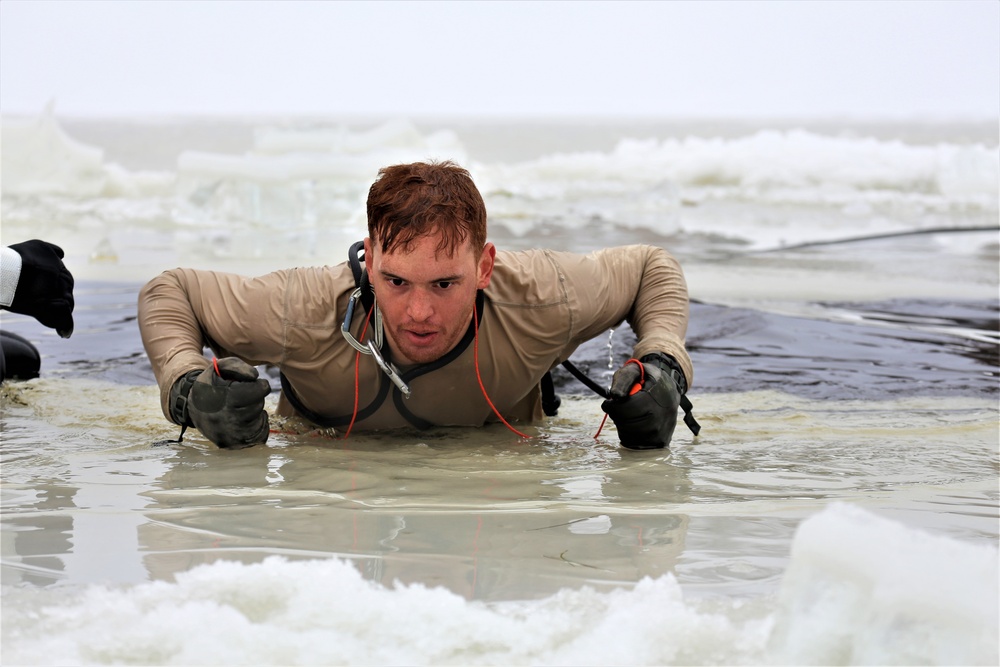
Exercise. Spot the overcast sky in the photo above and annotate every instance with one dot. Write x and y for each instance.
(896, 59)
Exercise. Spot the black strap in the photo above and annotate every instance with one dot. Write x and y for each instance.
(179, 440)
(549, 397)
(355, 255)
(179, 398)
(689, 419)
(550, 400)
(325, 421)
(579, 375)
(671, 366)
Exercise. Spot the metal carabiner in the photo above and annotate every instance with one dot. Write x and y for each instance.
(388, 369)
(373, 346)
(345, 327)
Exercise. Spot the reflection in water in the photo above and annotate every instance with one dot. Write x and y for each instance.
(82, 529)
(36, 533)
(411, 513)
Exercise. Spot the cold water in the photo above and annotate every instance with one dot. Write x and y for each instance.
(839, 507)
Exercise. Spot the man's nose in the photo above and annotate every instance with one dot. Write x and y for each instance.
(419, 306)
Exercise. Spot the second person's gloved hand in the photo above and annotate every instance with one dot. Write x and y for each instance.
(45, 286)
(226, 406)
(644, 401)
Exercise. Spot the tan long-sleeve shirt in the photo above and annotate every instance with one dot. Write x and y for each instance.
(539, 307)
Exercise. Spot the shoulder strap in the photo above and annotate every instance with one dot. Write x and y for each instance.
(326, 421)
(355, 257)
(551, 400)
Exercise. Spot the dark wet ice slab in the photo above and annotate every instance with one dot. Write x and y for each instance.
(836, 350)
(902, 347)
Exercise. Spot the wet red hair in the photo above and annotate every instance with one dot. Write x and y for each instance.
(407, 201)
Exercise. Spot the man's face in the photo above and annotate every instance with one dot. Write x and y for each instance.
(426, 296)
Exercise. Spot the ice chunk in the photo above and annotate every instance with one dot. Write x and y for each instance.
(38, 157)
(862, 589)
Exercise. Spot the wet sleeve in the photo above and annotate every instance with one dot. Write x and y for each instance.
(641, 284)
(183, 311)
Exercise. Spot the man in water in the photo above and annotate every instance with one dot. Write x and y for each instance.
(435, 328)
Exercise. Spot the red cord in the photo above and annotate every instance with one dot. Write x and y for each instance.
(642, 372)
(475, 349)
(357, 373)
(636, 387)
(215, 362)
(601, 427)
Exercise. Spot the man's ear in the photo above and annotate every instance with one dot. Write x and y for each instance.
(486, 261)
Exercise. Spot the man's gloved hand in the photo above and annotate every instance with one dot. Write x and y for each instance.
(45, 287)
(644, 401)
(226, 406)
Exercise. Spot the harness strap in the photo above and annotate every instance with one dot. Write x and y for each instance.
(354, 258)
(551, 400)
(689, 419)
(579, 375)
(325, 421)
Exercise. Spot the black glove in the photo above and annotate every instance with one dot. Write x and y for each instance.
(227, 407)
(644, 401)
(45, 287)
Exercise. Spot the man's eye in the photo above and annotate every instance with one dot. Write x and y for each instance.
(397, 282)
(445, 284)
